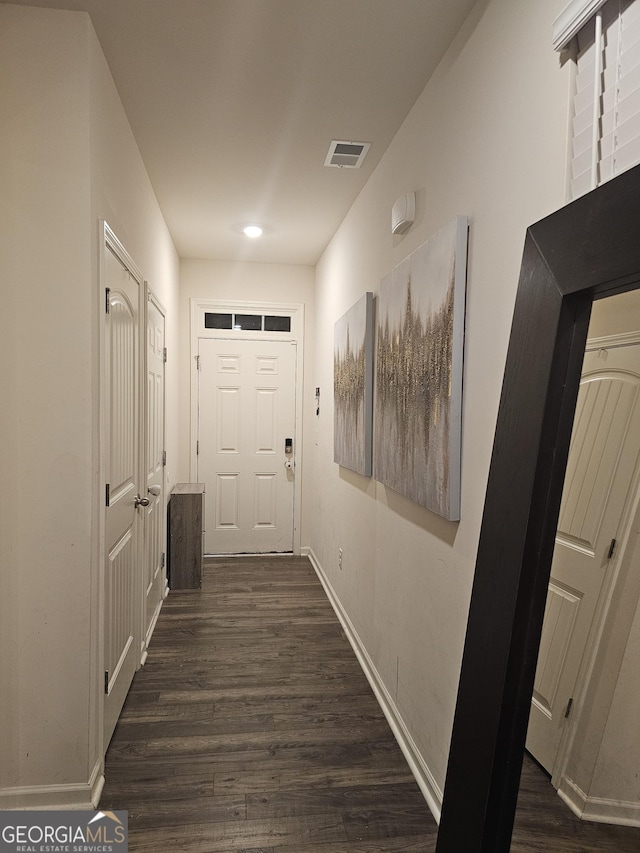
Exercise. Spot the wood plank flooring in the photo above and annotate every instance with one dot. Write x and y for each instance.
(252, 729)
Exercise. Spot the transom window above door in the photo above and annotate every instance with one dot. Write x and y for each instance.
(247, 322)
(222, 318)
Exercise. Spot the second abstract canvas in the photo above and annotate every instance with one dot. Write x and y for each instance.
(353, 387)
(419, 353)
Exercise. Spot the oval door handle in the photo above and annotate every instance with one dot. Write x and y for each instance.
(138, 501)
(154, 490)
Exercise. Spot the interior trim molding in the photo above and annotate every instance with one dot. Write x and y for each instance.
(96, 782)
(624, 339)
(296, 310)
(78, 796)
(598, 809)
(430, 789)
(154, 621)
(571, 20)
(53, 797)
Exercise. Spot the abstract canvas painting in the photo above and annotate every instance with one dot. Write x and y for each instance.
(419, 354)
(353, 387)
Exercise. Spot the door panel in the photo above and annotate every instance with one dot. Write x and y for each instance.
(122, 580)
(604, 454)
(246, 409)
(226, 502)
(228, 420)
(154, 471)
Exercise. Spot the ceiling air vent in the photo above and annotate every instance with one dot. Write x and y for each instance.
(346, 155)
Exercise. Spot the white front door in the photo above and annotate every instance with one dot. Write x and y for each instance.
(122, 521)
(246, 419)
(154, 574)
(604, 453)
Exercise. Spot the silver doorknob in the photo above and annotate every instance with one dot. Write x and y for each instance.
(138, 501)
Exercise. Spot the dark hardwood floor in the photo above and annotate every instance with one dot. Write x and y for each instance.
(544, 824)
(252, 729)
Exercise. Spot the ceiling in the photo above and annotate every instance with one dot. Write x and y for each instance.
(234, 103)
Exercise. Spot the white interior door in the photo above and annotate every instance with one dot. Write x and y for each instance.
(246, 412)
(122, 522)
(603, 456)
(154, 514)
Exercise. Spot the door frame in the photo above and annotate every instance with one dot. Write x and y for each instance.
(110, 242)
(150, 296)
(593, 677)
(198, 308)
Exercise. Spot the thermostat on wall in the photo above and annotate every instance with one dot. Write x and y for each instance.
(403, 213)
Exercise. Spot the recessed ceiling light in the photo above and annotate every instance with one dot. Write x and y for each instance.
(252, 231)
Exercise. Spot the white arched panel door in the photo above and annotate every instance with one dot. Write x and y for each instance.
(122, 579)
(599, 483)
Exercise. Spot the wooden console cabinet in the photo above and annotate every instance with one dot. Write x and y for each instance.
(186, 518)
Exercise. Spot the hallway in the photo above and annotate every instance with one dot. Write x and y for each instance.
(252, 728)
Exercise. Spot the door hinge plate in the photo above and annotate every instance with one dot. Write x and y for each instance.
(164, 355)
(107, 494)
(197, 448)
(162, 560)
(107, 303)
(106, 682)
(569, 705)
(164, 458)
(612, 548)
(197, 362)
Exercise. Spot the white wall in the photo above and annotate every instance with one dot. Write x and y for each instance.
(68, 159)
(123, 196)
(250, 282)
(615, 315)
(46, 447)
(487, 138)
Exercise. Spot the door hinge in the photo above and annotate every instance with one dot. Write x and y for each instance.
(162, 560)
(612, 548)
(106, 682)
(164, 355)
(107, 303)
(107, 494)
(164, 458)
(197, 362)
(568, 711)
(197, 448)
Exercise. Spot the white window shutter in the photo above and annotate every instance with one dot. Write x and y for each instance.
(610, 45)
(627, 147)
(606, 115)
(583, 115)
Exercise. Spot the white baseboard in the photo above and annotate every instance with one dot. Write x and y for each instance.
(152, 627)
(423, 776)
(96, 789)
(76, 797)
(598, 809)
